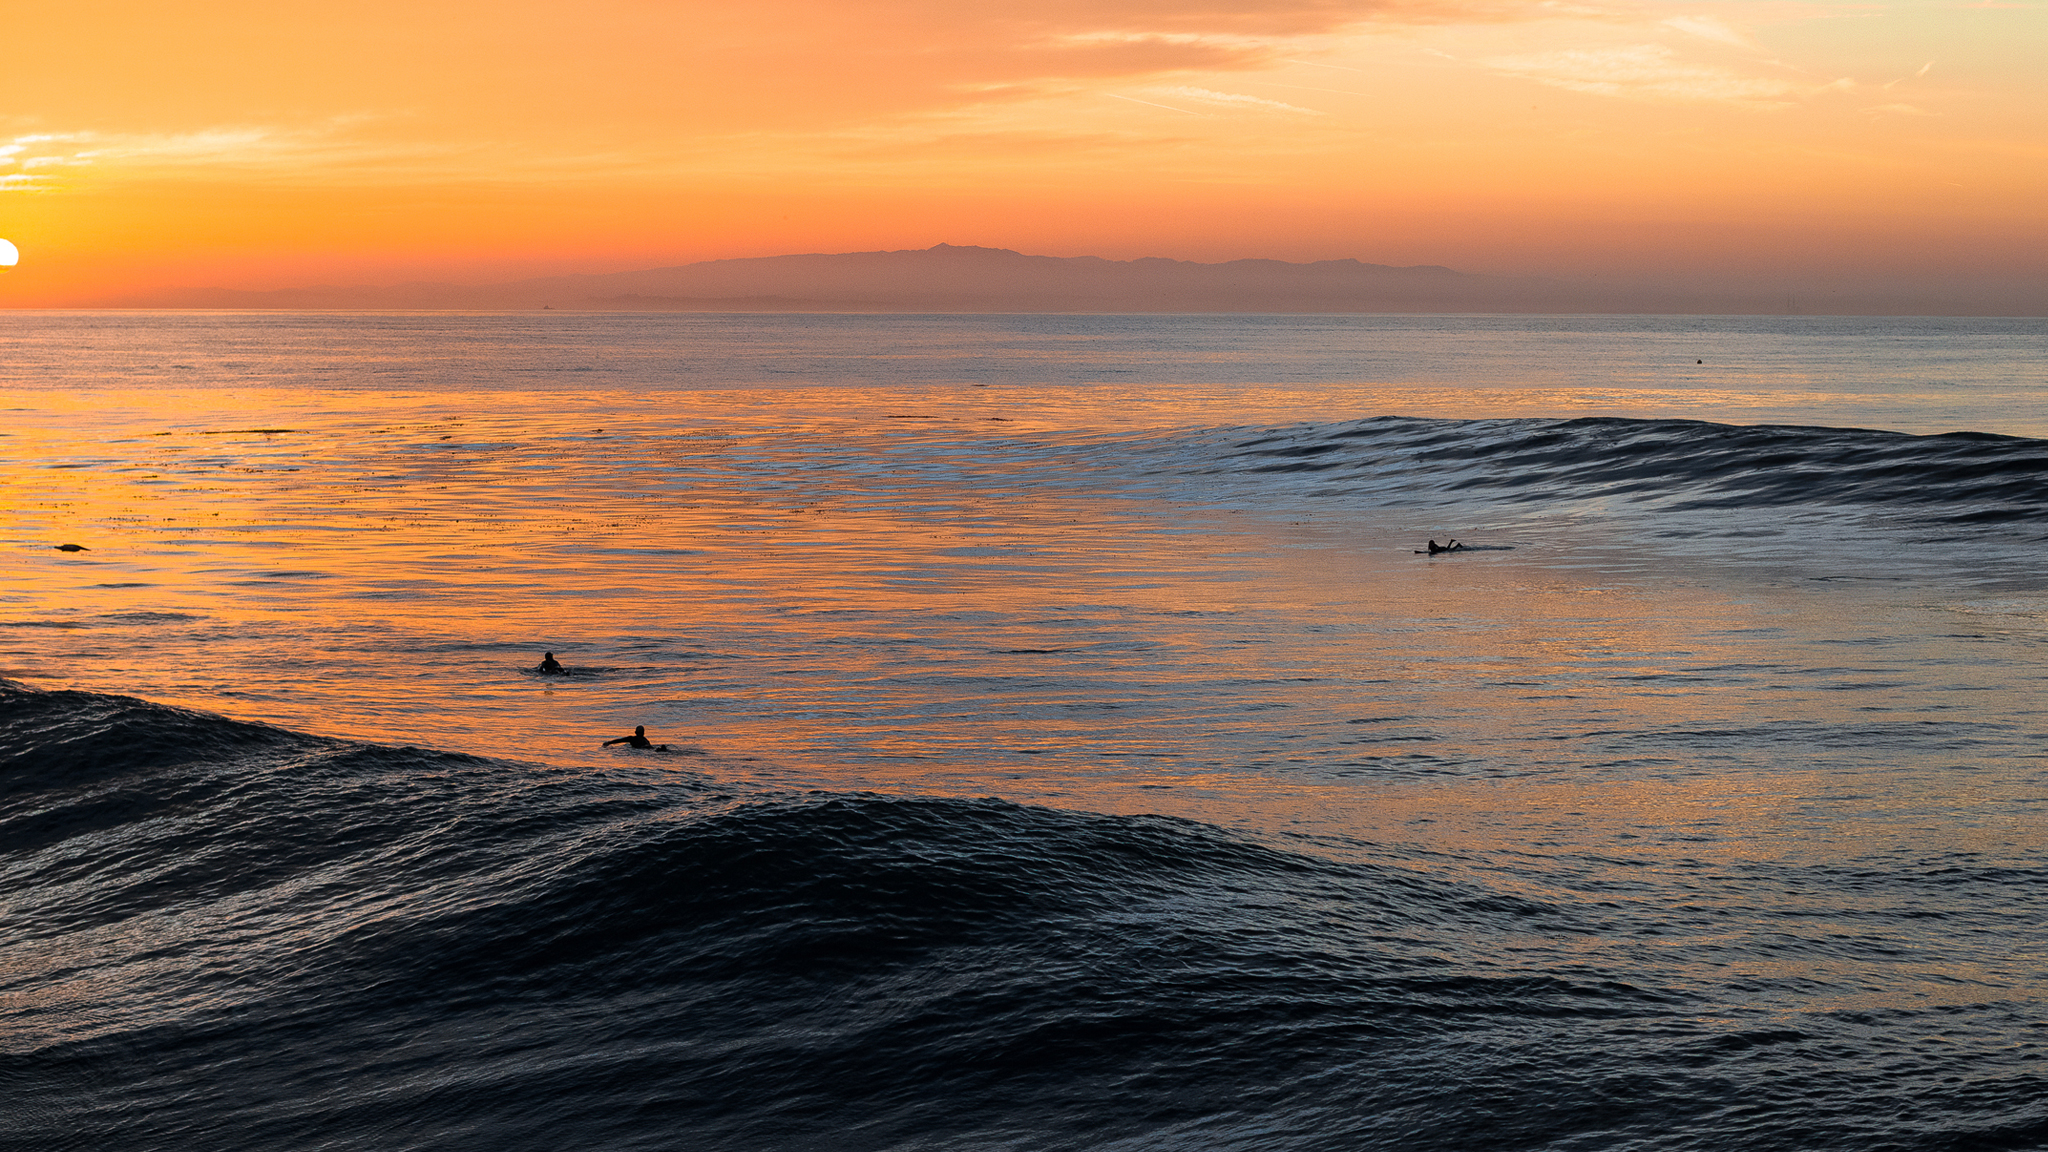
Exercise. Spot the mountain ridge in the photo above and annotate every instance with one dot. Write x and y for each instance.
(972, 278)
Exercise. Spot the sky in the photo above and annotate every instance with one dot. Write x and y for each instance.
(268, 144)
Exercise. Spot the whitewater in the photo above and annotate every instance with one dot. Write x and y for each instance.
(1069, 748)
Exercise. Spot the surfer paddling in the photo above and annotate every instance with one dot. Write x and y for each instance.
(637, 740)
(549, 666)
(1436, 549)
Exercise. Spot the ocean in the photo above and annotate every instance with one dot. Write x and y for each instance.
(1067, 741)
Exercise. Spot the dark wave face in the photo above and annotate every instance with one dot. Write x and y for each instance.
(228, 936)
(1675, 465)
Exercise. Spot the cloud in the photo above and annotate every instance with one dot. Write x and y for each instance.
(1150, 104)
(1020, 147)
(1118, 57)
(329, 148)
(235, 146)
(1022, 41)
(1232, 100)
(1897, 110)
(1253, 18)
(1026, 40)
(1915, 76)
(1708, 28)
(630, 76)
(42, 150)
(216, 145)
(1174, 38)
(1645, 72)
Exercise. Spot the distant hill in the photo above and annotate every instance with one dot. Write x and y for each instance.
(950, 278)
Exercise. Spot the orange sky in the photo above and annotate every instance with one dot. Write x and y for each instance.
(265, 145)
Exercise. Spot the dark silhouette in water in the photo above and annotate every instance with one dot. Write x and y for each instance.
(549, 666)
(72, 548)
(637, 740)
(1453, 546)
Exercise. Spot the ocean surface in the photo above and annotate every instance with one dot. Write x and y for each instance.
(1067, 746)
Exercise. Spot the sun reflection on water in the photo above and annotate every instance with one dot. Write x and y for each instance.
(803, 592)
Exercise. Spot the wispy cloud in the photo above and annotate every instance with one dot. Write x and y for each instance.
(1135, 100)
(1180, 39)
(330, 149)
(1260, 18)
(1708, 28)
(1233, 100)
(1309, 88)
(1646, 72)
(42, 150)
(1915, 76)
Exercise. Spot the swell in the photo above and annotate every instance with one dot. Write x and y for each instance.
(226, 935)
(1960, 477)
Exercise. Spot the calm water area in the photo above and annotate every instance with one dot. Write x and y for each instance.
(1734, 712)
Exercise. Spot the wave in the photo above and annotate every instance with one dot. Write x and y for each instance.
(1960, 477)
(228, 935)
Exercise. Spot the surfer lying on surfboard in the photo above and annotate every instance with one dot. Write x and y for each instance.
(1436, 549)
(637, 740)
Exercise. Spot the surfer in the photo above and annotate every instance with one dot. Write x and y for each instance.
(637, 740)
(1453, 546)
(549, 666)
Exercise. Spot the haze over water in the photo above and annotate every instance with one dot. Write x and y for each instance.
(1745, 723)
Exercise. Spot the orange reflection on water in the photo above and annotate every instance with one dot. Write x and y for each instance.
(805, 592)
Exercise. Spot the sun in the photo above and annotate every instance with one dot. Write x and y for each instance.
(9, 254)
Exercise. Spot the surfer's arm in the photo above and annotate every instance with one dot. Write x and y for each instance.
(620, 740)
